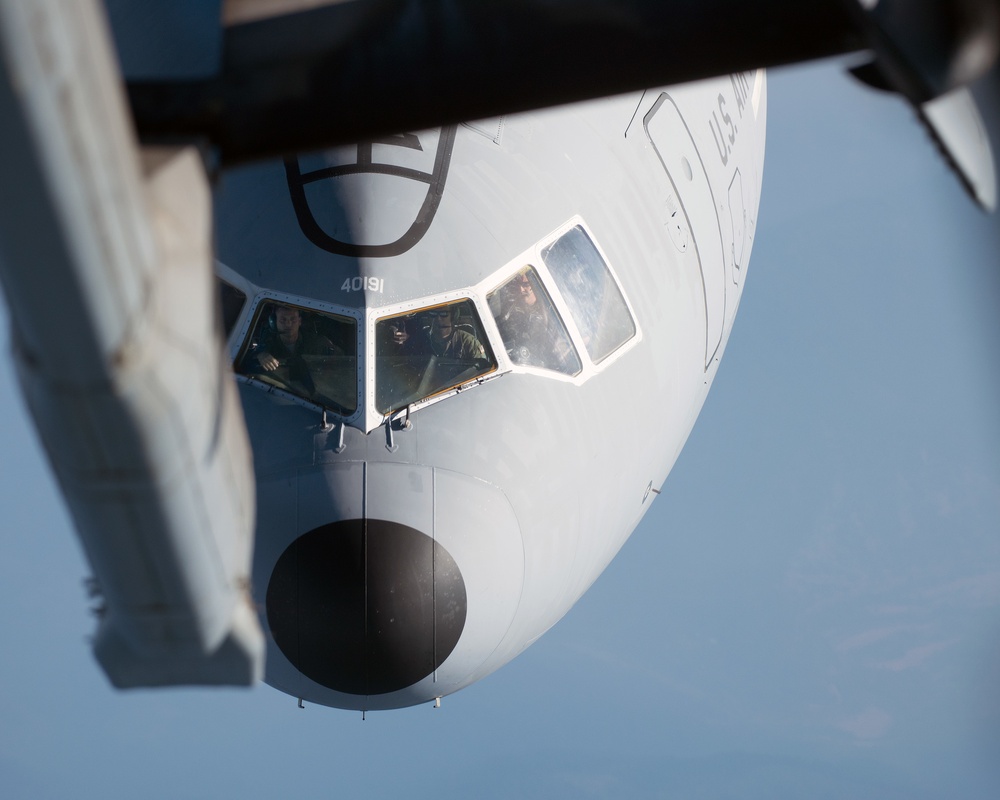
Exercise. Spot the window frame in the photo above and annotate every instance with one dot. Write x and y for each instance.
(238, 282)
(478, 302)
(367, 417)
(240, 342)
(577, 300)
(532, 257)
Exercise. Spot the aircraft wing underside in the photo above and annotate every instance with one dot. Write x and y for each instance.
(300, 80)
(107, 271)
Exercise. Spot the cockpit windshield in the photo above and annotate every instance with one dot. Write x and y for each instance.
(532, 331)
(305, 352)
(425, 352)
(594, 299)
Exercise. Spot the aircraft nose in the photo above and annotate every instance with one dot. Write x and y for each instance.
(366, 606)
(385, 584)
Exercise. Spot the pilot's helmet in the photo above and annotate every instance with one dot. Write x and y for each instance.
(442, 312)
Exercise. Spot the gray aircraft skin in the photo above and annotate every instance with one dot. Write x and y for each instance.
(411, 543)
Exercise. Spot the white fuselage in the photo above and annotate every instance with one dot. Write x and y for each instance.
(526, 480)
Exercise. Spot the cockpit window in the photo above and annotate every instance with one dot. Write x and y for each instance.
(590, 291)
(426, 352)
(232, 300)
(308, 353)
(532, 331)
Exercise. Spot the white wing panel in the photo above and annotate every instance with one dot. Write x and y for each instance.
(108, 276)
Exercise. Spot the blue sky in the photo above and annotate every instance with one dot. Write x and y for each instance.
(811, 608)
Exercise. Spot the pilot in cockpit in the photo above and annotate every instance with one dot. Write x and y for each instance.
(530, 327)
(285, 347)
(444, 339)
(287, 339)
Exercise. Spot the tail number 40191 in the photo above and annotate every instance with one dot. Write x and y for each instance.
(359, 284)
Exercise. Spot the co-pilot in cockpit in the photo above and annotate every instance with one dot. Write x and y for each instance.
(425, 352)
